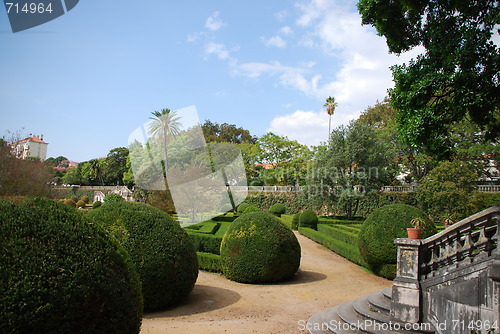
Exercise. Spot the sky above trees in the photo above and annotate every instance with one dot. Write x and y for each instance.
(87, 79)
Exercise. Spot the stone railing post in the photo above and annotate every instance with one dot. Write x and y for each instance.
(406, 296)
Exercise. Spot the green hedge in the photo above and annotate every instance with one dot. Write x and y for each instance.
(209, 228)
(207, 243)
(61, 274)
(349, 237)
(209, 262)
(222, 229)
(344, 249)
(259, 248)
(383, 226)
(163, 253)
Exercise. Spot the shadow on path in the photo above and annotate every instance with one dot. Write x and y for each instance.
(202, 299)
(304, 277)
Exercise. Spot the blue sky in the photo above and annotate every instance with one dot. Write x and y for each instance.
(87, 79)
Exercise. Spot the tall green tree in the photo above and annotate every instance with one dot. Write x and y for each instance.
(115, 166)
(165, 125)
(330, 106)
(352, 164)
(456, 78)
(225, 132)
(287, 158)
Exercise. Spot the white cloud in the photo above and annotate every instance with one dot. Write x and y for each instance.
(286, 30)
(281, 15)
(213, 22)
(217, 49)
(276, 41)
(307, 127)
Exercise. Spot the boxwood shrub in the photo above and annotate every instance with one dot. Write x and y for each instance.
(277, 209)
(295, 221)
(382, 227)
(309, 219)
(242, 208)
(163, 253)
(60, 274)
(259, 248)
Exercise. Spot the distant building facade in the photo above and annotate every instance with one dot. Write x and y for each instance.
(31, 147)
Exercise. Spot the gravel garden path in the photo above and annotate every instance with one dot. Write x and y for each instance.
(218, 305)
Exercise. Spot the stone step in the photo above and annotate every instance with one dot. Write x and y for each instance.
(370, 314)
(380, 302)
(387, 292)
(328, 322)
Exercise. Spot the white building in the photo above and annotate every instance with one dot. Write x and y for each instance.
(31, 147)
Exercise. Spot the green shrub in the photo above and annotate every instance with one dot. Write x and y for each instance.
(308, 218)
(258, 248)
(277, 209)
(382, 227)
(113, 198)
(209, 262)
(96, 204)
(295, 221)
(60, 274)
(250, 209)
(163, 253)
(80, 204)
(349, 251)
(74, 198)
(207, 243)
(85, 199)
(70, 202)
(242, 207)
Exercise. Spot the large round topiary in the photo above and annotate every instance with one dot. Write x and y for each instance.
(163, 253)
(60, 274)
(277, 209)
(259, 248)
(249, 209)
(383, 226)
(308, 218)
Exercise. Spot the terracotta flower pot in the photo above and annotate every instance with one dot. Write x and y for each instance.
(414, 233)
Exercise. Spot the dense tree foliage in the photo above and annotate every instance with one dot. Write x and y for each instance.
(225, 132)
(455, 79)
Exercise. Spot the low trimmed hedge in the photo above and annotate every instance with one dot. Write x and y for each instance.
(209, 262)
(349, 251)
(207, 243)
(349, 237)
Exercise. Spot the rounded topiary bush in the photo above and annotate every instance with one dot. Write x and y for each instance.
(85, 199)
(259, 248)
(80, 204)
(308, 218)
(242, 207)
(96, 204)
(70, 202)
(295, 221)
(249, 209)
(163, 253)
(113, 198)
(383, 226)
(60, 274)
(277, 209)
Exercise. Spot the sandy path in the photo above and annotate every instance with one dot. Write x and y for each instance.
(218, 305)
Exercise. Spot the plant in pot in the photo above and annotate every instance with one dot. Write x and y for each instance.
(415, 232)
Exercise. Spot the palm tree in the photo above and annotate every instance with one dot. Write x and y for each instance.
(164, 126)
(330, 105)
(95, 167)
